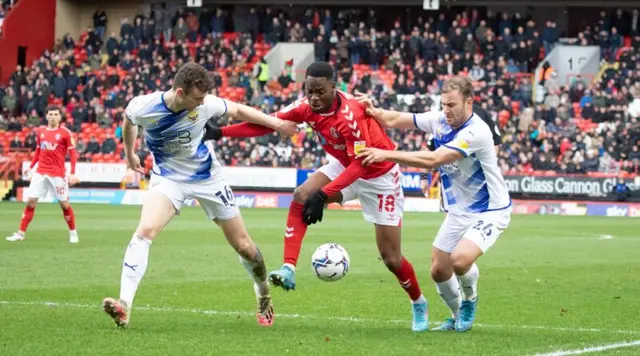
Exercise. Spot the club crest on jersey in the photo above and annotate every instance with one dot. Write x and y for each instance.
(193, 115)
(334, 132)
(57, 137)
(41, 135)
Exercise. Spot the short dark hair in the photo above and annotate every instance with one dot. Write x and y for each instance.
(192, 75)
(52, 108)
(320, 70)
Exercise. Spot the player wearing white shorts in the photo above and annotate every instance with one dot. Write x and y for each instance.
(51, 177)
(184, 167)
(377, 207)
(474, 193)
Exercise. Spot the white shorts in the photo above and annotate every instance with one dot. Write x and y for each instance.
(42, 185)
(481, 228)
(381, 198)
(214, 195)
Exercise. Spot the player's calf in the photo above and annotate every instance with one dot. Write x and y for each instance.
(25, 220)
(69, 217)
(447, 285)
(388, 240)
(463, 260)
(252, 260)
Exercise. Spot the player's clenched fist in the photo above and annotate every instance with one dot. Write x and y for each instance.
(371, 155)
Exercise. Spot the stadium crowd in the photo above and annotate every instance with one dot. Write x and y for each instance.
(580, 128)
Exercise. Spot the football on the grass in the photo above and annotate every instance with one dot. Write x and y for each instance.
(330, 262)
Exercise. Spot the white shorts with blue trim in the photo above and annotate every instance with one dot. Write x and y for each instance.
(213, 194)
(481, 228)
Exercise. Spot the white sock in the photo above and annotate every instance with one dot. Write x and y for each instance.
(258, 272)
(450, 293)
(421, 299)
(293, 268)
(469, 283)
(134, 267)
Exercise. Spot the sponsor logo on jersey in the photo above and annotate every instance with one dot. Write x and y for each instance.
(48, 146)
(464, 144)
(358, 146)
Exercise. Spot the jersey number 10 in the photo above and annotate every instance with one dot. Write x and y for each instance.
(227, 196)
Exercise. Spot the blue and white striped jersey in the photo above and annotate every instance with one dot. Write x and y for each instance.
(175, 138)
(473, 184)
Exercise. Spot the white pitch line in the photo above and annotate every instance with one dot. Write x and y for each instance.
(598, 348)
(317, 317)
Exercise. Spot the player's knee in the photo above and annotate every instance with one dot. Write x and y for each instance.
(244, 246)
(393, 261)
(461, 262)
(440, 272)
(300, 194)
(31, 203)
(147, 230)
(65, 205)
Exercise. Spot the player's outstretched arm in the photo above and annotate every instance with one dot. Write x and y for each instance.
(253, 116)
(242, 130)
(387, 118)
(418, 159)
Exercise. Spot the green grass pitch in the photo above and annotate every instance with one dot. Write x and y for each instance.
(550, 283)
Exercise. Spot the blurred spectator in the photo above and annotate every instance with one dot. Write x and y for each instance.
(108, 145)
(93, 146)
(622, 190)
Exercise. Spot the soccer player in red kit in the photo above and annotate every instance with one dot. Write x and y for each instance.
(343, 129)
(53, 143)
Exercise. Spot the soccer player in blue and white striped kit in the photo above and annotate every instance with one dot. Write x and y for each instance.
(185, 167)
(474, 193)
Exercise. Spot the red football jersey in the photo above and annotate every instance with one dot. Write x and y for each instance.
(344, 131)
(53, 145)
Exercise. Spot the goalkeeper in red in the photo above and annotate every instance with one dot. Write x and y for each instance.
(343, 129)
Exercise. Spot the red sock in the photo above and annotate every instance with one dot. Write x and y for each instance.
(296, 228)
(70, 218)
(27, 215)
(407, 278)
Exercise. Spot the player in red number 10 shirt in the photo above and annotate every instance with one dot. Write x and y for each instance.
(343, 129)
(53, 143)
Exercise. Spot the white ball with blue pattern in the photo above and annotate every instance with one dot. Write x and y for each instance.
(330, 262)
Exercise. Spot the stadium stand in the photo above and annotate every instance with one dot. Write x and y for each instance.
(588, 126)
